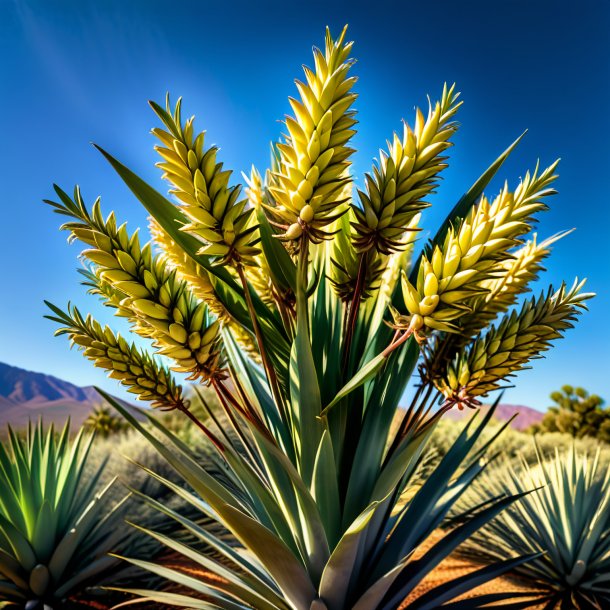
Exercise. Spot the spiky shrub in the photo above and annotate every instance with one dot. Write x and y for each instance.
(104, 422)
(56, 525)
(567, 521)
(301, 306)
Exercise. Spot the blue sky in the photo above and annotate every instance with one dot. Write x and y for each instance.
(80, 72)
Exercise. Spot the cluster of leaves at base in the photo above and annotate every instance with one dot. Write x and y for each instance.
(57, 523)
(566, 518)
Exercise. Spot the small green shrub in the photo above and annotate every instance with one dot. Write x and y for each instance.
(512, 443)
(508, 443)
(577, 413)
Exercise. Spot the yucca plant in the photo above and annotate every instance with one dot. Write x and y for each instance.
(567, 521)
(301, 305)
(104, 422)
(56, 526)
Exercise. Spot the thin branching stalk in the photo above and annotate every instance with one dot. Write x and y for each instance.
(286, 315)
(213, 438)
(213, 416)
(351, 313)
(302, 265)
(222, 393)
(269, 370)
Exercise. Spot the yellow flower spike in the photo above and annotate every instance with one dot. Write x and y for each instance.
(258, 274)
(511, 278)
(474, 254)
(506, 348)
(404, 177)
(307, 185)
(216, 214)
(162, 306)
(134, 368)
(199, 282)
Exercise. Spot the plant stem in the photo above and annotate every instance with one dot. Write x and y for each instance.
(269, 370)
(221, 388)
(285, 316)
(420, 413)
(436, 416)
(247, 411)
(267, 427)
(213, 417)
(351, 313)
(203, 428)
(397, 340)
(402, 428)
(302, 308)
(220, 391)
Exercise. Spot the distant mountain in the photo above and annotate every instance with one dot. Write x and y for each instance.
(19, 386)
(27, 395)
(526, 416)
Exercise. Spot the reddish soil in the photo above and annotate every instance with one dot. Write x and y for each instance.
(454, 567)
(451, 568)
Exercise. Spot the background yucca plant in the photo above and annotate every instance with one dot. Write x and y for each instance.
(104, 422)
(567, 520)
(301, 306)
(56, 525)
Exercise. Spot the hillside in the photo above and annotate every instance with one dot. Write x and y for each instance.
(28, 395)
(526, 416)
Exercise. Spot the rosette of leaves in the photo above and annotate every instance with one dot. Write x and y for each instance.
(566, 520)
(56, 524)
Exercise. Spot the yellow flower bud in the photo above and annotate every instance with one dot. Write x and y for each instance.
(307, 214)
(428, 304)
(417, 323)
(294, 231)
(430, 285)
(178, 333)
